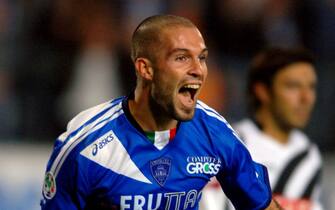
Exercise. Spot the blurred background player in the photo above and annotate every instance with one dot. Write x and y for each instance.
(282, 93)
(281, 90)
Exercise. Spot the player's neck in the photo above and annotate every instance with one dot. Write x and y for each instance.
(145, 117)
(272, 128)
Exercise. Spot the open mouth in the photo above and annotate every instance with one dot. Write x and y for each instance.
(188, 93)
(190, 90)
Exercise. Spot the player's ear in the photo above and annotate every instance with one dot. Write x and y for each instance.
(144, 68)
(262, 92)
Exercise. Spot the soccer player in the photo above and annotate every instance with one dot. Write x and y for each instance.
(157, 147)
(282, 92)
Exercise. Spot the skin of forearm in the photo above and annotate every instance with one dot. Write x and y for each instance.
(274, 205)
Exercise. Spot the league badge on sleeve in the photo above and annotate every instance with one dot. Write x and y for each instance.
(49, 186)
(160, 169)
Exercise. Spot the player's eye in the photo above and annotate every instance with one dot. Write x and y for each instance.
(203, 57)
(181, 58)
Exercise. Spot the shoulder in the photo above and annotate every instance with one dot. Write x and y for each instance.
(220, 131)
(301, 138)
(83, 129)
(208, 114)
(247, 129)
(85, 119)
(213, 121)
(245, 125)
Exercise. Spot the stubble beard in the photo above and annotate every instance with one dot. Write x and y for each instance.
(164, 108)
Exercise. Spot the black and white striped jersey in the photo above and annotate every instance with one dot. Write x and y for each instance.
(294, 168)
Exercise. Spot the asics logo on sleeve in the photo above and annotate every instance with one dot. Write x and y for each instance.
(101, 143)
(109, 152)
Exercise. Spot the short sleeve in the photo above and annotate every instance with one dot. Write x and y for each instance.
(244, 181)
(64, 188)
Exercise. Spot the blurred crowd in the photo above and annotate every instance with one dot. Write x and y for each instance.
(62, 56)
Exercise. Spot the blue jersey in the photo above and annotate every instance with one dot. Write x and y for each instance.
(105, 161)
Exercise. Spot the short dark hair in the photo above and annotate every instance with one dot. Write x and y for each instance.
(266, 64)
(146, 37)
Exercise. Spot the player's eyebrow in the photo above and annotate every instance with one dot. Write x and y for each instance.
(205, 50)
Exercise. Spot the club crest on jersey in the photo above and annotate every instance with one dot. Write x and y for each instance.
(160, 169)
(49, 186)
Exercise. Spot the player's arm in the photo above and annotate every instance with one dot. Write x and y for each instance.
(58, 192)
(244, 181)
(63, 186)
